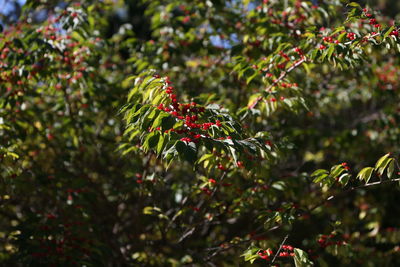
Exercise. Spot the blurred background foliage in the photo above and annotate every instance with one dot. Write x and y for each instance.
(70, 197)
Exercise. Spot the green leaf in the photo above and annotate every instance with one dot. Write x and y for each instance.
(148, 210)
(158, 121)
(380, 161)
(319, 172)
(388, 32)
(250, 254)
(386, 162)
(167, 122)
(279, 185)
(151, 210)
(186, 151)
(205, 157)
(301, 258)
(150, 141)
(273, 219)
(338, 29)
(365, 174)
(341, 36)
(390, 169)
(12, 155)
(337, 170)
(331, 50)
(321, 178)
(249, 79)
(161, 143)
(354, 4)
(314, 54)
(344, 178)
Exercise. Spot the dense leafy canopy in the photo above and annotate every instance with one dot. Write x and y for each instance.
(199, 133)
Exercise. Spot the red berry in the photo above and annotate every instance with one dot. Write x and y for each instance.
(51, 216)
(186, 139)
(186, 19)
(351, 35)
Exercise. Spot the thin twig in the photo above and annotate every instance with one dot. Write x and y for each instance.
(351, 190)
(280, 78)
(279, 250)
(220, 249)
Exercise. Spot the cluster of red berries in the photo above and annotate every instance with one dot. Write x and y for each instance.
(345, 166)
(259, 188)
(190, 115)
(186, 139)
(298, 51)
(221, 167)
(287, 19)
(287, 251)
(206, 191)
(139, 177)
(72, 192)
(287, 85)
(273, 99)
(265, 254)
(300, 56)
(214, 182)
(389, 76)
(254, 236)
(394, 33)
(372, 21)
(196, 209)
(226, 157)
(187, 113)
(327, 240)
(329, 39)
(351, 36)
(285, 56)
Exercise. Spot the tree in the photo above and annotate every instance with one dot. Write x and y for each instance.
(199, 133)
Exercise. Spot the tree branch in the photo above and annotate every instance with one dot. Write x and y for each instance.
(280, 248)
(280, 78)
(351, 190)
